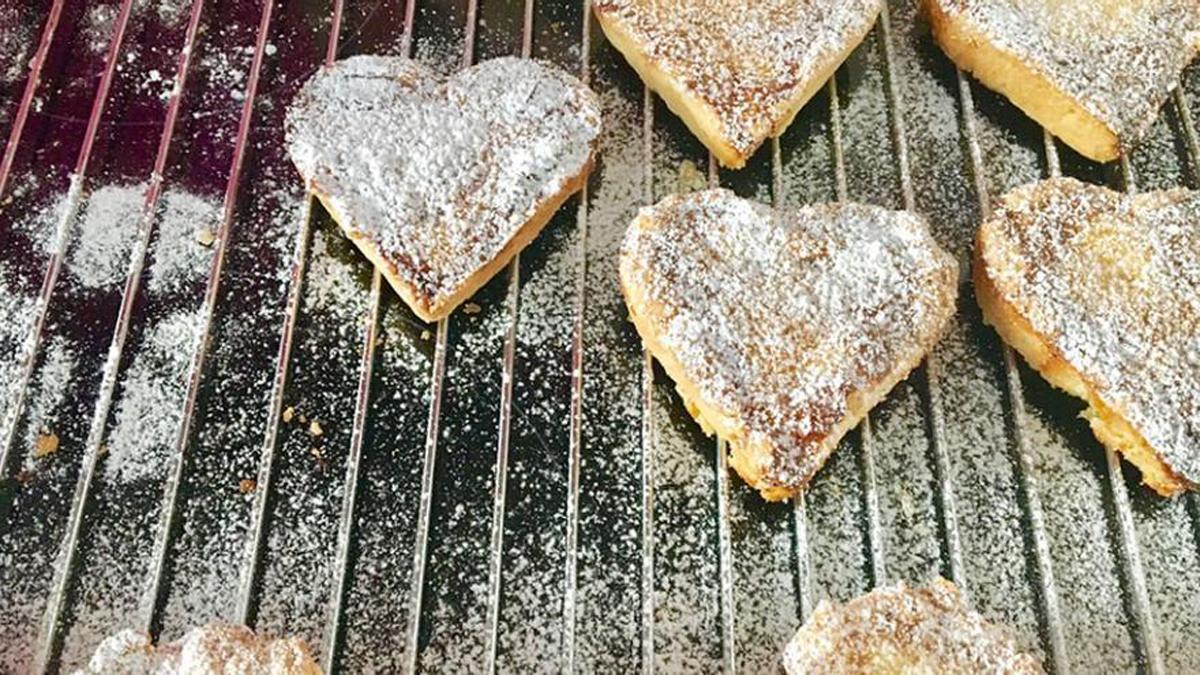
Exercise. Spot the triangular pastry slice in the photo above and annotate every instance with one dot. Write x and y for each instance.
(1093, 72)
(737, 71)
(781, 329)
(1100, 292)
(900, 629)
(440, 182)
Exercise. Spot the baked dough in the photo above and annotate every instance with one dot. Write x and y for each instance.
(214, 648)
(782, 329)
(1093, 72)
(1100, 293)
(904, 630)
(440, 182)
(736, 71)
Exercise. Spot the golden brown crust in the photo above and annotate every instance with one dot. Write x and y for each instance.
(1004, 72)
(1110, 428)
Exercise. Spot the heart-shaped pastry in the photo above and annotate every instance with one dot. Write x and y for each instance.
(899, 629)
(1100, 292)
(1093, 72)
(736, 71)
(441, 182)
(782, 329)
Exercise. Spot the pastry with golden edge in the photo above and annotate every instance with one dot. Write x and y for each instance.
(1100, 292)
(1093, 72)
(899, 629)
(440, 182)
(736, 71)
(781, 329)
(215, 649)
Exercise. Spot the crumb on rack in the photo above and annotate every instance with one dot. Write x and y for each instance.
(315, 428)
(471, 308)
(288, 414)
(205, 237)
(46, 444)
(247, 485)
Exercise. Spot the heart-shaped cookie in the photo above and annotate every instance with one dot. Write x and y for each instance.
(1093, 72)
(441, 182)
(907, 630)
(736, 71)
(782, 329)
(1100, 292)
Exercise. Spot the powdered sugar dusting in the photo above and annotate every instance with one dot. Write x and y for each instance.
(1112, 283)
(453, 169)
(745, 59)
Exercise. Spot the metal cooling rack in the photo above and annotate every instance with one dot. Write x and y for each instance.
(516, 488)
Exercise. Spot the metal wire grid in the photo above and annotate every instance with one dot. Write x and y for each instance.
(654, 641)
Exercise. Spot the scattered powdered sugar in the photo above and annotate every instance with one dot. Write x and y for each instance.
(17, 41)
(1118, 60)
(104, 235)
(49, 393)
(750, 59)
(927, 629)
(111, 218)
(451, 171)
(152, 396)
(846, 294)
(1113, 283)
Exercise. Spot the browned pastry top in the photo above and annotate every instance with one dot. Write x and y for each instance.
(1119, 59)
(779, 317)
(903, 629)
(745, 58)
(439, 174)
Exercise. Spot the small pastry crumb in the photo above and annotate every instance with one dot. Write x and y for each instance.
(45, 445)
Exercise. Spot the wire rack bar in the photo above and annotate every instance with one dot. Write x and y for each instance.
(500, 485)
(1188, 127)
(724, 539)
(362, 406)
(424, 511)
(870, 485)
(31, 84)
(62, 233)
(170, 502)
(249, 578)
(937, 420)
(1027, 475)
(1143, 612)
(648, 431)
(571, 563)
(64, 570)
(804, 599)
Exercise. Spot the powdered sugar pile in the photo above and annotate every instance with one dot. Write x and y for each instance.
(438, 177)
(777, 319)
(747, 59)
(1113, 282)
